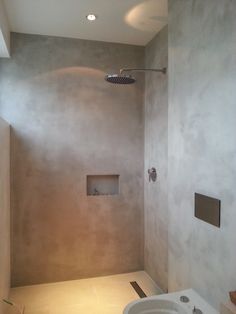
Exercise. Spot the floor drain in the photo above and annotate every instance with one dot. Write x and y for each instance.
(138, 289)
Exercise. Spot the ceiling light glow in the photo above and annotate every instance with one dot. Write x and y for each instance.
(91, 17)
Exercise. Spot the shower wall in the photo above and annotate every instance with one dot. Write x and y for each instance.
(202, 144)
(156, 143)
(67, 123)
(4, 212)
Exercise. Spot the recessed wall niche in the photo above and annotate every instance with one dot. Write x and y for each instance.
(98, 185)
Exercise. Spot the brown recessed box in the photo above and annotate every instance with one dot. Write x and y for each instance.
(207, 209)
(232, 295)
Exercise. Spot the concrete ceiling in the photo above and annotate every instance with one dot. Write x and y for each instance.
(124, 21)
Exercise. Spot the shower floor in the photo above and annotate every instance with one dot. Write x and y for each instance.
(100, 295)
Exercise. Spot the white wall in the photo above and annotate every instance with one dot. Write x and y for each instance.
(4, 212)
(202, 144)
(4, 32)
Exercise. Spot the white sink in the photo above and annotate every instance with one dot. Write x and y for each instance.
(150, 306)
(171, 304)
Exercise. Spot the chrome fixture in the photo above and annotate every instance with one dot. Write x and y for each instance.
(122, 78)
(184, 299)
(96, 192)
(152, 174)
(197, 311)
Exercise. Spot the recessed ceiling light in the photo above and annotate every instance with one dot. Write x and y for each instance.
(91, 17)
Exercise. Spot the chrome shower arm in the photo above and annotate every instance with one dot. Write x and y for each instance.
(163, 70)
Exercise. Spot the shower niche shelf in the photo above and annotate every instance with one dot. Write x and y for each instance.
(103, 185)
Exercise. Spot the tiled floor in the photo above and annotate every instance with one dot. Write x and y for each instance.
(101, 295)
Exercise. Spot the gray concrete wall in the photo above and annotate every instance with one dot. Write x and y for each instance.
(67, 122)
(202, 144)
(4, 212)
(156, 149)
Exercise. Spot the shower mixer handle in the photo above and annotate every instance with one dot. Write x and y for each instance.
(152, 174)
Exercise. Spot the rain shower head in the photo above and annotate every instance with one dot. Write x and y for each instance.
(128, 79)
(120, 79)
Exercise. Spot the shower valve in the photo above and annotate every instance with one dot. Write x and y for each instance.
(152, 174)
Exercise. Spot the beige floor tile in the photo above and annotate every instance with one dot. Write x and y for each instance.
(101, 295)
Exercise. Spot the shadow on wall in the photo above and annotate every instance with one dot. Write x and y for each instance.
(75, 71)
(85, 76)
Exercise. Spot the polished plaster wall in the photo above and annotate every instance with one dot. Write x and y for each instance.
(67, 122)
(202, 144)
(4, 212)
(156, 149)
